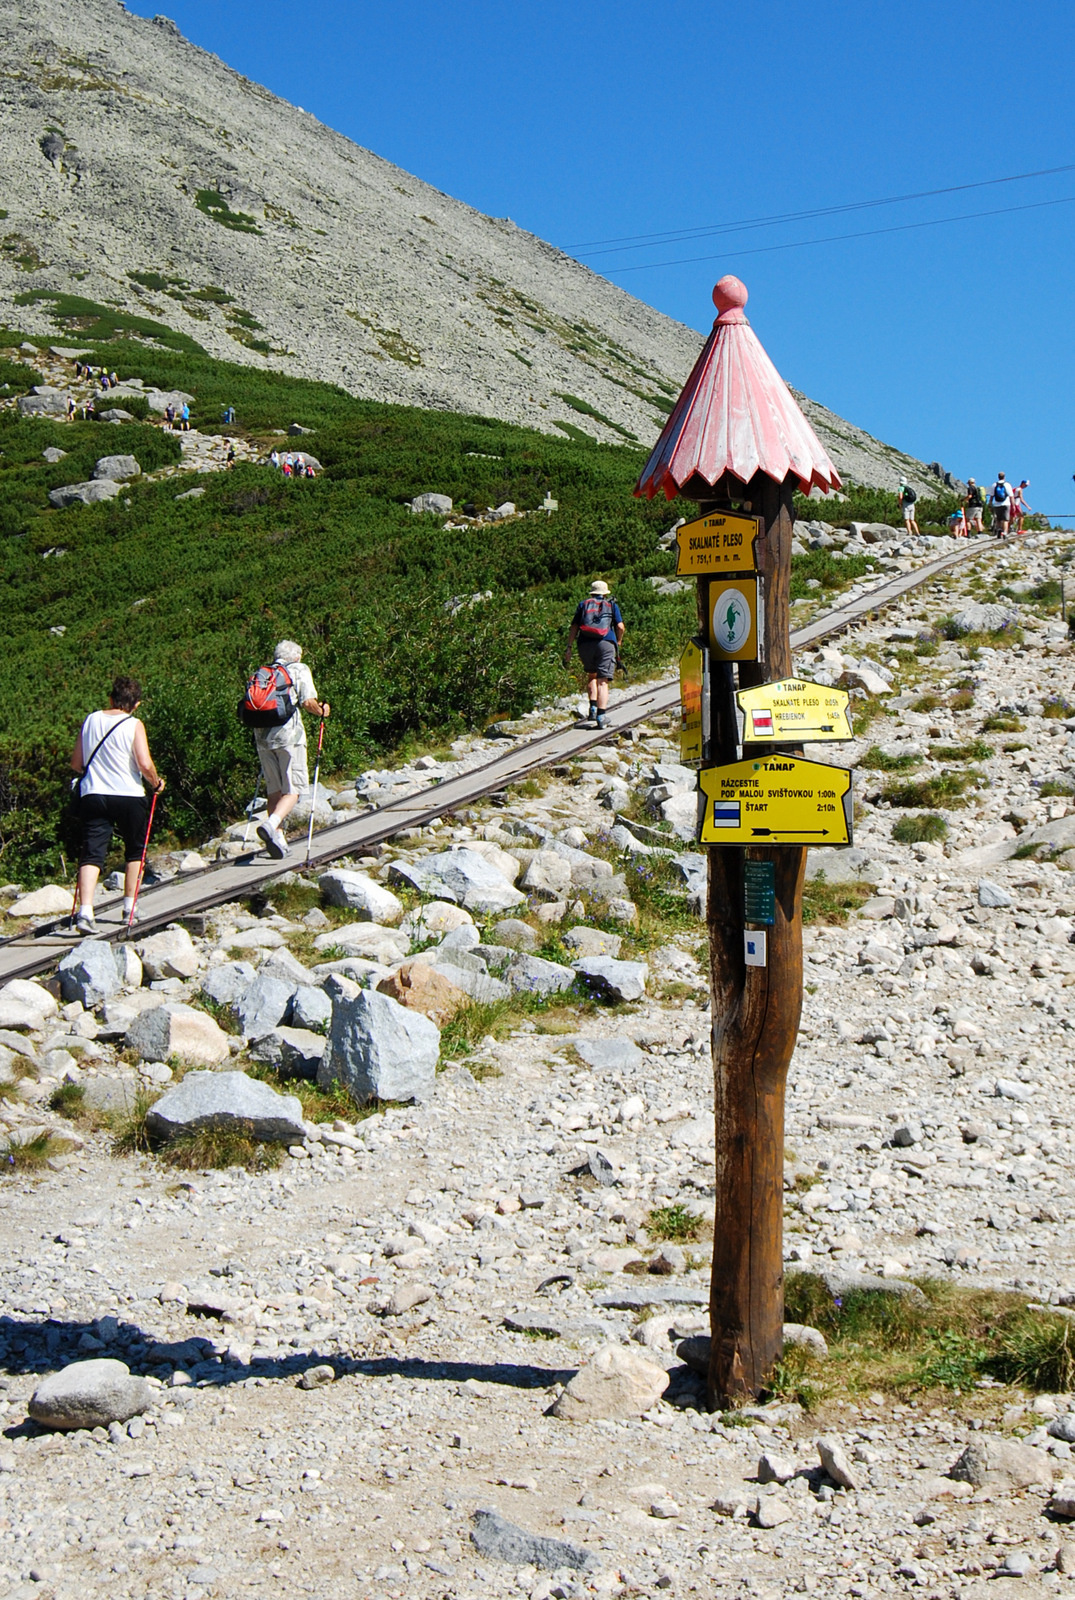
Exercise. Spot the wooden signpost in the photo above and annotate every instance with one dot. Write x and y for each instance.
(737, 443)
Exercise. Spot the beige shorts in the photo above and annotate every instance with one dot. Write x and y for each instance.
(284, 770)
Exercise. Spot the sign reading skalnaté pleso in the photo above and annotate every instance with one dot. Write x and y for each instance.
(793, 711)
(721, 542)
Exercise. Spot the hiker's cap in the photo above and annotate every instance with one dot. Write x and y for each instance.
(287, 651)
(599, 586)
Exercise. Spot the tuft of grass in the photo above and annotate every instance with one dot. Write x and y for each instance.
(974, 750)
(962, 700)
(942, 789)
(215, 206)
(1013, 749)
(32, 1156)
(878, 760)
(1056, 786)
(213, 1148)
(1026, 852)
(472, 1023)
(131, 1136)
(927, 828)
(926, 702)
(674, 1224)
(1057, 707)
(1037, 1350)
(67, 1100)
(318, 1105)
(998, 722)
(830, 903)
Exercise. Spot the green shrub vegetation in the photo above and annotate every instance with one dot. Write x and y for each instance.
(947, 1338)
(831, 903)
(927, 828)
(214, 205)
(93, 323)
(999, 722)
(673, 1223)
(974, 750)
(944, 788)
(878, 760)
(338, 562)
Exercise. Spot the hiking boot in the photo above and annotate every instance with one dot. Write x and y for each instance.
(86, 925)
(273, 840)
(602, 720)
(592, 714)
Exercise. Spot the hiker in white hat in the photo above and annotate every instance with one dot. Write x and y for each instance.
(598, 627)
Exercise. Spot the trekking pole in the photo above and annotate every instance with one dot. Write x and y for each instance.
(251, 810)
(142, 863)
(313, 803)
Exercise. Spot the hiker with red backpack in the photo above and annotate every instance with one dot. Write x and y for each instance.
(598, 627)
(272, 705)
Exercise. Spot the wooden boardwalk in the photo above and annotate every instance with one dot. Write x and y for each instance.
(23, 955)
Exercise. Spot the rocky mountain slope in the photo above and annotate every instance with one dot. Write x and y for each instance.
(145, 176)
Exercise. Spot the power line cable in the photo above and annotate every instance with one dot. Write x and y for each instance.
(835, 238)
(675, 235)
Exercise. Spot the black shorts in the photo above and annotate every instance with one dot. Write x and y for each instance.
(100, 814)
(598, 657)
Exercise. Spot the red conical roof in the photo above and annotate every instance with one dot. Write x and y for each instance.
(735, 415)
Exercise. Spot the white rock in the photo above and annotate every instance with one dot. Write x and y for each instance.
(89, 1394)
(178, 1030)
(51, 900)
(223, 1100)
(615, 1383)
(360, 893)
(379, 1050)
(462, 876)
(169, 954)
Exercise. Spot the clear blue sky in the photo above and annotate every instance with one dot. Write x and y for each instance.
(612, 118)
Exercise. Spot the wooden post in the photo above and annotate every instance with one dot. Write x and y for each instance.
(755, 1017)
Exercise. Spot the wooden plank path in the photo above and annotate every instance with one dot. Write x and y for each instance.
(25, 954)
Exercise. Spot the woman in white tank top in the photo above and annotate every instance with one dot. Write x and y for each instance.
(112, 755)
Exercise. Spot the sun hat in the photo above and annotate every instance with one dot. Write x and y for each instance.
(599, 586)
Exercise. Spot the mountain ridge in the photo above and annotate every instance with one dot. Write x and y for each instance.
(149, 178)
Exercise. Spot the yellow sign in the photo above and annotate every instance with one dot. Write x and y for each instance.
(719, 542)
(793, 711)
(776, 800)
(734, 625)
(691, 668)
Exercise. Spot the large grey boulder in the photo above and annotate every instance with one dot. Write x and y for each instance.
(227, 1100)
(117, 468)
(472, 976)
(379, 1050)
(360, 893)
(460, 875)
(52, 453)
(681, 812)
(51, 900)
(310, 1007)
(83, 494)
(225, 983)
(989, 618)
(613, 980)
(42, 405)
(262, 1006)
(178, 1030)
(369, 939)
(440, 504)
(89, 1394)
(548, 876)
(527, 974)
(88, 973)
(589, 941)
(515, 934)
(296, 1052)
(1002, 1463)
(160, 399)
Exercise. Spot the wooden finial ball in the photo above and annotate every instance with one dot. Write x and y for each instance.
(730, 294)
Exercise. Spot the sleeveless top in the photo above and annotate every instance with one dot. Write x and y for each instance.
(113, 769)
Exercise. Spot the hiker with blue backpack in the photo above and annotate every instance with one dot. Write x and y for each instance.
(598, 627)
(275, 697)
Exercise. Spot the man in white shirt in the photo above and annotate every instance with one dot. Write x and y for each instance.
(282, 749)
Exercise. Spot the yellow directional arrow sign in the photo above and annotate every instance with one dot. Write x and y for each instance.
(691, 682)
(718, 543)
(793, 711)
(776, 800)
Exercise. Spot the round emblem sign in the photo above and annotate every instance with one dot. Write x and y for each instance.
(731, 620)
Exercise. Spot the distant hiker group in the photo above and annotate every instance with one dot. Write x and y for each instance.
(292, 464)
(1006, 501)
